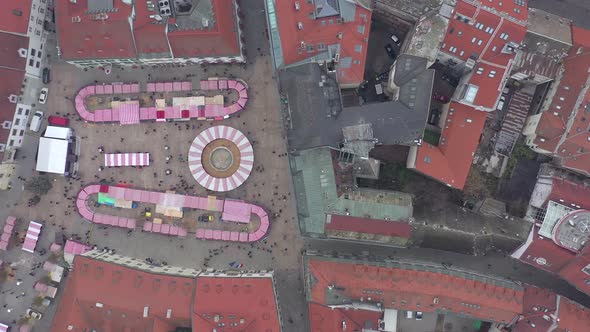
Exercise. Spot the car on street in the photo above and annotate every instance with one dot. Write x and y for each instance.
(43, 96)
(390, 51)
(46, 77)
(36, 121)
(206, 218)
(501, 103)
(33, 314)
(58, 121)
(395, 38)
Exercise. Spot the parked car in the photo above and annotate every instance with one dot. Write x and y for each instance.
(390, 51)
(43, 96)
(206, 218)
(33, 314)
(419, 315)
(501, 102)
(58, 121)
(395, 39)
(46, 77)
(36, 121)
(442, 98)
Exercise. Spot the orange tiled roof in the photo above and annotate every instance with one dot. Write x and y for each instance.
(450, 161)
(413, 289)
(324, 31)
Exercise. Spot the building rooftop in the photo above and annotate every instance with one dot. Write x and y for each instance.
(487, 34)
(569, 140)
(324, 319)
(331, 30)
(554, 31)
(450, 161)
(226, 304)
(10, 85)
(324, 188)
(106, 296)
(412, 286)
(427, 36)
(13, 54)
(102, 29)
(14, 16)
(318, 119)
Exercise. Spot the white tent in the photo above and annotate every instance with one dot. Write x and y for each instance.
(52, 155)
(58, 132)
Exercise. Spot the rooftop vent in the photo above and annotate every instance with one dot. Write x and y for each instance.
(76, 19)
(164, 7)
(299, 25)
(297, 6)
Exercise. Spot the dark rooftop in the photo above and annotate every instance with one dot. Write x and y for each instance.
(317, 117)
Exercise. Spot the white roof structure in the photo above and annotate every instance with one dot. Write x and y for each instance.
(57, 132)
(52, 155)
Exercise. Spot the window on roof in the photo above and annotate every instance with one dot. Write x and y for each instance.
(519, 3)
(459, 33)
(321, 46)
(479, 26)
(361, 29)
(358, 48)
(461, 53)
(323, 22)
(494, 48)
(452, 49)
(479, 42)
(470, 93)
(516, 10)
(492, 73)
(309, 48)
(479, 71)
(490, 30)
(427, 159)
(451, 30)
(473, 40)
(586, 269)
(504, 36)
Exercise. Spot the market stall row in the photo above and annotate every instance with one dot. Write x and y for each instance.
(232, 210)
(7, 232)
(182, 108)
(32, 236)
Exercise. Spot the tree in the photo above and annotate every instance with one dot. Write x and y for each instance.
(39, 185)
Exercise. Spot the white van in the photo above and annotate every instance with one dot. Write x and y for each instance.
(36, 121)
(409, 314)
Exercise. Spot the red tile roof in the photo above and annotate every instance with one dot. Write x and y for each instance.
(573, 273)
(109, 297)
(324, 319)
(510, 8)
(413, 289)
(568, 192)
(10, 84)
(490, 82)
(123, 293)
(573, 150)
(483, 38)
(543, 250)
(369, 226)
(539, 303)
(115, 38)
(233, 299)
(324, 31)
(149, 37)
(94, 38)
(9, 56)
(220, 39)
(450, 161)
(572, 317)
(14, 16)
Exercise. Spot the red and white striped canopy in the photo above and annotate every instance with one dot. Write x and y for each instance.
(127, 159)
(246, 158)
